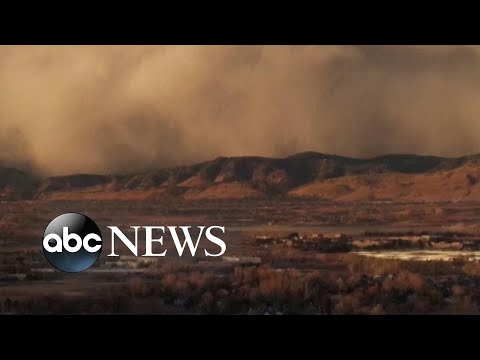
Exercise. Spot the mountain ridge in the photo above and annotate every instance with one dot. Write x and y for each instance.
(306, 174)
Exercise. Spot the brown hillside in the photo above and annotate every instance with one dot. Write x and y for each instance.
(458, 184)
(390, 177)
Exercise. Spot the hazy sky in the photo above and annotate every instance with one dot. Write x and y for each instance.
(70, 109)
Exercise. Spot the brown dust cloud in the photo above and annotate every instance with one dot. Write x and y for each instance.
(120, 109)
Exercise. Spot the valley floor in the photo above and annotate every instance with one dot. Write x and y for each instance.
(283, 257)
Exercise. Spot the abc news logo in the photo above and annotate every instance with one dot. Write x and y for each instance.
(72, 242)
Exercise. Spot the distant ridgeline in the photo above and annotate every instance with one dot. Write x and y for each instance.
(304, 175)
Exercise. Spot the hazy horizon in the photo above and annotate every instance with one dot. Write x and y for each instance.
(121, 109)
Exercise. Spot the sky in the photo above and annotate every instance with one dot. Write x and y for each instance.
(122, 109)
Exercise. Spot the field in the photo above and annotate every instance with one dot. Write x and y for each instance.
(283, 257)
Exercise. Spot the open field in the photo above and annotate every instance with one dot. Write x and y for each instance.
(283, 257)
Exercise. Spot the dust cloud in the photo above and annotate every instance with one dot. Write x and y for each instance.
(103, 109)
